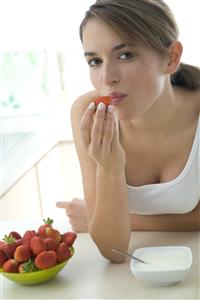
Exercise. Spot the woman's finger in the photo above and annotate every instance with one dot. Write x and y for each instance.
(62, 204)
(85, 125)
(97, 128)
(115, 140)
(66, 205)
(108, 131)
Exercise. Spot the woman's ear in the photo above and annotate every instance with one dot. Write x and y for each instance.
(174, 55)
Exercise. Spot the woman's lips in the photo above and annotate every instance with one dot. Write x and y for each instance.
(117, 97)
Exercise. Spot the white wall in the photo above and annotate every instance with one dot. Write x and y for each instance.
(187, 15)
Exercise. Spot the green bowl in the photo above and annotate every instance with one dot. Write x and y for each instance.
(36, 277)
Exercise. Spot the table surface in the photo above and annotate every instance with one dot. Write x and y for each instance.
(89, 276)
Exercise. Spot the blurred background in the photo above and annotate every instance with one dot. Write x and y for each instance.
(42, 72)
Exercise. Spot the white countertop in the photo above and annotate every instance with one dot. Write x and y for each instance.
(89, 276)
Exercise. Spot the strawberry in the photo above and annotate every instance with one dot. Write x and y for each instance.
(1, 245)
(69, 238)
(15, 234)
(3, 258)
(63, 252)
(28, 235)
(42, 229)
(53, 233)
(46, 259)
(27, 267)
(47, 230)
(37, 245)
(50, 243)
(105, 99)
(18, 242)
(9, 246)
(11, 265)
(22, 253)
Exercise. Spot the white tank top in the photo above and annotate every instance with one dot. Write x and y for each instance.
(178, 196)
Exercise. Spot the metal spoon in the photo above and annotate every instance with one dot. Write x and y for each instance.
(132, 256)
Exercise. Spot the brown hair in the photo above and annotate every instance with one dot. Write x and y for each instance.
(149, 23)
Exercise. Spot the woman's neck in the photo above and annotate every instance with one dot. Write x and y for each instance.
(169, 115)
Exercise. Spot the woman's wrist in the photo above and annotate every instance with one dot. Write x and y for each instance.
(108, 172)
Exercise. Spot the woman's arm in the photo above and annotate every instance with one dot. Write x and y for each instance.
(102, 162)
(110, 224)
(170, 222)
(76, 211)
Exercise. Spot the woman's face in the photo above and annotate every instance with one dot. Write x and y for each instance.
(136, 73)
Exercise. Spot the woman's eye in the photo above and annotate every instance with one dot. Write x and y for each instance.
(126, 55)
(94, 62)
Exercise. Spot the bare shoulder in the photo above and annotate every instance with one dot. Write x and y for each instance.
(192, 101)
(81, 104)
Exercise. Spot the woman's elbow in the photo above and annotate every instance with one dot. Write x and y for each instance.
(106, 250)
(111, 256)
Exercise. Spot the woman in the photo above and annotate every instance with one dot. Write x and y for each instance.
(140, 156)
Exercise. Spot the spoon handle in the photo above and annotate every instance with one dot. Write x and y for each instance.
(127, 254)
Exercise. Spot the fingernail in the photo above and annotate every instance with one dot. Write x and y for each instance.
(110, 108)
(101, 106)
(91, 106)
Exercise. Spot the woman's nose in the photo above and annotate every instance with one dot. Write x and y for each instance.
(110, 75)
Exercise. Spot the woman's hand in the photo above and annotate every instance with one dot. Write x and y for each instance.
(77, 214)
(100, 138)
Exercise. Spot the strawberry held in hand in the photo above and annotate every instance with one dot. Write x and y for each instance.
(105, 99)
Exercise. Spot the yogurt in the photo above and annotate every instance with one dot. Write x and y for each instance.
(165, 259)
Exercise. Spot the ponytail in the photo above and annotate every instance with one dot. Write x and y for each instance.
(187, 76)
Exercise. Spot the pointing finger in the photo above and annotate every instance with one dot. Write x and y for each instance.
(62, 204)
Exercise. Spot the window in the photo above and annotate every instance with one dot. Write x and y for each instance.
(39, 53)
(24, 84)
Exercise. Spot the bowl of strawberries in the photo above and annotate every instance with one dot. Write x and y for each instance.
(36, 256)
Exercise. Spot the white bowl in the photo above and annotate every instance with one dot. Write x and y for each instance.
(167, 264)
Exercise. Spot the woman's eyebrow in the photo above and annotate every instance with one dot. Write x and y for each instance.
(115, 48)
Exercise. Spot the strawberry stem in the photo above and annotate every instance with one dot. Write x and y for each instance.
(29, 266)
(48, 221)
(9, 239)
